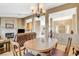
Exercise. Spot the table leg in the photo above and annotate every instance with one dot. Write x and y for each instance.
(6, 47)
(73, 50)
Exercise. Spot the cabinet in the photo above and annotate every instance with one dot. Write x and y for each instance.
(4, 46)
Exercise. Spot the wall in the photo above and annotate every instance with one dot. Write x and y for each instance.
(37, 28)
(18, 23)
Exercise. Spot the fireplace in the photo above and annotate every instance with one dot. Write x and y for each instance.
(9, 35)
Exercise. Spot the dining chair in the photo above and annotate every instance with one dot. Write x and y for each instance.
(16, 49)
(75, 50)
(57, 52)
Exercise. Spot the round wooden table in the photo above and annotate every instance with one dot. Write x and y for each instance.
(40, 45)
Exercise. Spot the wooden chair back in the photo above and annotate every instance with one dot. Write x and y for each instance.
(15, 49)
(67, 49)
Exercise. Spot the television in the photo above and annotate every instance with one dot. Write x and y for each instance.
(21, 30)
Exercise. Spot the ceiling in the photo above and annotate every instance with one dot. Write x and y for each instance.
(21, 10)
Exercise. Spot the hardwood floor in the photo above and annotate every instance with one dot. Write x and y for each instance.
(61, 47)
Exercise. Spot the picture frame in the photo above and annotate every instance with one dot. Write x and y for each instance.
(9, 26)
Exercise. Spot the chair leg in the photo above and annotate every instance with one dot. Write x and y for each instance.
(24, 51)
(20, 53)
(73, 50)
(56, 45)
(76, 54)
(14, 54)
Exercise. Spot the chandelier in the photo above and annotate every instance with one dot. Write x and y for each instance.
(38, 10)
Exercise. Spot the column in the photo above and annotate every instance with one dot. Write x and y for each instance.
(50, 23)
(46, 26)
(77, 23)
(33, 24)
(74, 23)
(77, 19)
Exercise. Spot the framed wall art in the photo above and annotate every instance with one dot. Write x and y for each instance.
(9, 26)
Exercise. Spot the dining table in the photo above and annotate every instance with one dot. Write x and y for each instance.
(40, 45)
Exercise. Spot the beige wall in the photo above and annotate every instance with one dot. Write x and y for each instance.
(20, 23)
(37, 28)
(29, 26)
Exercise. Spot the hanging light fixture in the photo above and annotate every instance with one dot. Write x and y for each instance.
(38, 10)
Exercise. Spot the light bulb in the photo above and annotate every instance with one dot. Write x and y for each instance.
(41, 5)
(33, 9)
(44, 11)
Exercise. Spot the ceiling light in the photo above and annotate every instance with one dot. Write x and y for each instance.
(38, 10)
